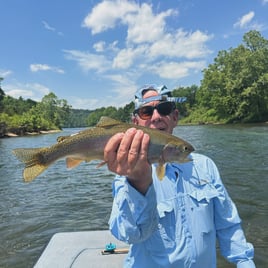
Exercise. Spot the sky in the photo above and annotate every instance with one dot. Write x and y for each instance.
(98, 53)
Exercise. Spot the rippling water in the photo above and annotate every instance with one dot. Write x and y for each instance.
(80, 199)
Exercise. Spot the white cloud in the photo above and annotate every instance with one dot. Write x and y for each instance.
(126, 57)
(106, 14)
(113, 46)
(247, 23)
(177, 70)
(264, 2)
(182, 45)
(148, 48)
(124, 85)
(5, 73)
(84, 103)
(33, 91)
(147, 34)
(122, 91)
(45, 67)
(103, 47)
(88, 61)
(144, 26)
(50, 28)
(245, 20)
(100, 46)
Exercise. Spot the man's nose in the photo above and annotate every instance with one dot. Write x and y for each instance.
(155, 115)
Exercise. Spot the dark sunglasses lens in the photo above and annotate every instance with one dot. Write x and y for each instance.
(146, 112)
(165, 108)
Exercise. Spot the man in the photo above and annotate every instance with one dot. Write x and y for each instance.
(173, 222)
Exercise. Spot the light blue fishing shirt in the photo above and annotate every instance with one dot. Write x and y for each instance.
(177, 222)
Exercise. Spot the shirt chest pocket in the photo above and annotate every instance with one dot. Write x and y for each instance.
(167, 220)
(202, 209)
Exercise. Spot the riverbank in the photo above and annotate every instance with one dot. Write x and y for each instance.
(7, 131)
(21, 131)
(14, 134)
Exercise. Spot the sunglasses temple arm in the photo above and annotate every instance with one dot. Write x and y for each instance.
(177, 99)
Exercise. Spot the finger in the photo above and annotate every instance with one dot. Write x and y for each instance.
(111, 147)
(144, 147)
(134, 150)
(124, 147)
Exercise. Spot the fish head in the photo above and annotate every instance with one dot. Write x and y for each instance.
(177, 152)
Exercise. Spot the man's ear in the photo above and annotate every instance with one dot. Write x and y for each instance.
(175, 117)
(134, 120)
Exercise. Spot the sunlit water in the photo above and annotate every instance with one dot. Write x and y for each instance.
(80, 199)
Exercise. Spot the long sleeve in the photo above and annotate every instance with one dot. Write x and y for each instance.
(231, 238)
(178, 220)
(235, 248)
(134, 216)
(232, 241)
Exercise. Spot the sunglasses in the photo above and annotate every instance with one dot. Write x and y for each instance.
(163, 108)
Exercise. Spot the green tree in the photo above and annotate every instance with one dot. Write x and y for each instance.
(13, 106)
(77, 118)
(188, 92)
(121, 114)
(234, 87)
(2, 93)
(53, 109)
(125, 113)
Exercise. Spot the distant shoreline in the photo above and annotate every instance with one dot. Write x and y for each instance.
(14, 135)
(20, 133)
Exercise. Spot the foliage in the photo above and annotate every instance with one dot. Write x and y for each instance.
(53, 110)
(77, 118)
(31, 116)
(188, 92)
(16, 106)
(2, 93)
(235, 87)
(122, 114)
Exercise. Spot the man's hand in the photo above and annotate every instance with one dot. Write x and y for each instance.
(126, 155)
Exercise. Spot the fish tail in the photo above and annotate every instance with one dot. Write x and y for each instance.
(32, 159)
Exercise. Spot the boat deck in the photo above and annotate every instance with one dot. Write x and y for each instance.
(81, 250)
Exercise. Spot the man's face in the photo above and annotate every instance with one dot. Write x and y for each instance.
(164, 123)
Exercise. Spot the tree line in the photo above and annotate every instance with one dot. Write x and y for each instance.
(20, 116)
(234, 89)
(235, 86)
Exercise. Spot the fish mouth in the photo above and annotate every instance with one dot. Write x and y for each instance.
(160, 128)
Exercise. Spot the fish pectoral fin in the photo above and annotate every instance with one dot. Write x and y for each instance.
(73, 162)
(160, 171)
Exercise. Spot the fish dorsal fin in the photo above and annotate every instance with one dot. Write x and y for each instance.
(106, 121)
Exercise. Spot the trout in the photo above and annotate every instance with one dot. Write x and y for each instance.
(88, 145)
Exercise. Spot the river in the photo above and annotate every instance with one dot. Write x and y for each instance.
(80, 199)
